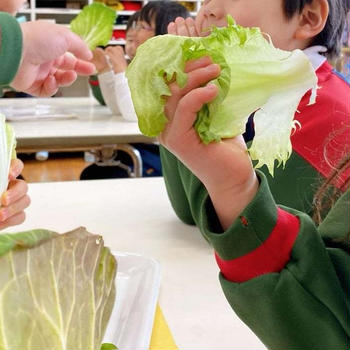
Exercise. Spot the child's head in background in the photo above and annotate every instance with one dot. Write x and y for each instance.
(11, 6)
(155, 17)
(292, 24)
(130, 42)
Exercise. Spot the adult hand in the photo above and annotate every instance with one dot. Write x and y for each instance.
(52, 56)
(117, 57)
(223, 167)
(183, 27)
(15, 199)
(100, 61)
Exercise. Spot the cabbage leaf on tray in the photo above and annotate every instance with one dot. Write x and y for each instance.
(57, 291)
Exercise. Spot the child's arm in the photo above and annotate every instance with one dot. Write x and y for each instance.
(277, 273)
(280, 277)
(224, 168)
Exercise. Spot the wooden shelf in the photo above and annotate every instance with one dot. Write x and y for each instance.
(63, 14)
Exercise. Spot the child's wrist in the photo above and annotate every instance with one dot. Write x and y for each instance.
(230, 201)
(104, 70)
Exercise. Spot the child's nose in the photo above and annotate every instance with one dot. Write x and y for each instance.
(214, 9)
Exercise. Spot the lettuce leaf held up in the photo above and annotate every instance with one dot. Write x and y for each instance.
(255, 77)
(56, 290)
(94, 24)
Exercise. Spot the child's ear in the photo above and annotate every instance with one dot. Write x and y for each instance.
(312, 19)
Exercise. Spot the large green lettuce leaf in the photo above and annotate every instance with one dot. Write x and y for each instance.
(56, 291)
(255, 76)
(94, 24)
(7, 152)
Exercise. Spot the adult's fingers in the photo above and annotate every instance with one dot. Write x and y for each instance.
(65, 78)
(77, 46)
(69, 62)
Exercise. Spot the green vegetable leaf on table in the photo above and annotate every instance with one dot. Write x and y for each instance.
(7, 152)
(108, 346)
(56, 290)
(94, 24)
(255, 77)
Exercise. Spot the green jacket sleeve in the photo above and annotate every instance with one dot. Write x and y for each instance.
(305, 304)
(177, 178)
(10, 48)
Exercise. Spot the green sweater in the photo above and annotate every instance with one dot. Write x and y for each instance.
(288, 281)
(10, 48)
(285, 278)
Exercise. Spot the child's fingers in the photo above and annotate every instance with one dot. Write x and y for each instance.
(16, 190)
(191, 27)
(15, 169)
(197, 63)
(181, 27)
(199, 77)
(196, 79)
(172, 28)
(13, 220)
(14, 209)
(186, 113)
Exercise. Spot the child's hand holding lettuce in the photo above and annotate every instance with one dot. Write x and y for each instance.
(255, 76)
(7, 152)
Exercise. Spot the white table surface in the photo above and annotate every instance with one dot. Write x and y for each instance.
(134, 215)
(90, 123)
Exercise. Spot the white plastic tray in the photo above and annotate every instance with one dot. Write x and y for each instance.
(32, 111)
(131, 323)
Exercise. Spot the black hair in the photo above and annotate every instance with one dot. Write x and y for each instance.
(133, 20)
(331, 35)
(163, 12)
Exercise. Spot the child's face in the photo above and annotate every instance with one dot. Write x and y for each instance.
(11, 6)
(131, 45)
(144, 31)
(266, 14)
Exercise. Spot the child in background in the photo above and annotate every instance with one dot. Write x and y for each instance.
(111, 86)
(284, 276)
(151, 20)
(111, 64)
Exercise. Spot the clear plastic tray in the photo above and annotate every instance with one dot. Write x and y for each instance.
(131, 323)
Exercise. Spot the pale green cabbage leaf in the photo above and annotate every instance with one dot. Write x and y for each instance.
(94, 24)
(7, 152)
(255, 77)
(56, 290)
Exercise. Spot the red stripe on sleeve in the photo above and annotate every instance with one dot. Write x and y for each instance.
(271, 256)
(94, 82)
